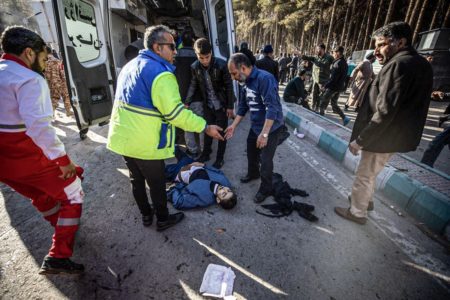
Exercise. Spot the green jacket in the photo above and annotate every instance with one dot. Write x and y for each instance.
(321, 67)
(143, 122)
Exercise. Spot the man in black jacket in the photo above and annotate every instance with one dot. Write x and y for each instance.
(295, 90)
(333, 87)
(211, 77)
(393, 116)
(267, 63)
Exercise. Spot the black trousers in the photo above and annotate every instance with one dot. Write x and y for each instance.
(152, 172)
(219, 118)
(263, 157)
(333, 96)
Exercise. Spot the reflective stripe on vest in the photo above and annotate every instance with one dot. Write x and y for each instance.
(174, 113)
(18, 126)
(68, 221)
(51, 211)
(139, 110)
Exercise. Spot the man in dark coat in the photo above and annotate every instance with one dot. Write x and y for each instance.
(210, 76)
(333, 87)
(295, 90)
(393, 117)
(267, 63)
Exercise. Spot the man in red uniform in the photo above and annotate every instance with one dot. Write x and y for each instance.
(32, 158)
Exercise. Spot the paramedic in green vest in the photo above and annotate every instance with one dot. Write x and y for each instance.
(147, 108)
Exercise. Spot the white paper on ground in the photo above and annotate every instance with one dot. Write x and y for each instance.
(218, 282)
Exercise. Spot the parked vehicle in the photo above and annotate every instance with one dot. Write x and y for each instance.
(436, 43)
(92, 35)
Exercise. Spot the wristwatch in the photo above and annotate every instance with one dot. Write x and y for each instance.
(265, 135)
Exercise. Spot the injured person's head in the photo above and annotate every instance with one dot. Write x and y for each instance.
(225, 197)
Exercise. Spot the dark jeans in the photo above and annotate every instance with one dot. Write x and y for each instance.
(333, 96)
(296, 100)
(435, 147)
(152, 172)
(315, 96)
(262, 156)
(219, 118)
(283, 75)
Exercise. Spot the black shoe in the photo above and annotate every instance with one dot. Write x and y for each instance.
(260, 197)
(248, 178)
(53, 265)
(147, 220)
(171, 220)
(218, 163)
(203, 158)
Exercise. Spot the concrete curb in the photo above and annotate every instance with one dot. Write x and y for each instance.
(422, 202)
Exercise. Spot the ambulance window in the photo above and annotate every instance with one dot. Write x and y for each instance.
(82, 29)
(222, 33)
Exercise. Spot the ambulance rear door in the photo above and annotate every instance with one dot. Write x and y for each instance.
(221, 27)
(84, 47)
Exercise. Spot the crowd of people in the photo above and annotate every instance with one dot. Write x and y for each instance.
(157, 107)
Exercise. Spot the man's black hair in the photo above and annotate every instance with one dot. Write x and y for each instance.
(239, 59)
(301, 73)
(15, 39)
(396, 31)
(187, 37)
(322, 46)
(202, 46)
(230, 203)
(339, 49)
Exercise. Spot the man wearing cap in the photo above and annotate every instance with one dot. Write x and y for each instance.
(267, 63)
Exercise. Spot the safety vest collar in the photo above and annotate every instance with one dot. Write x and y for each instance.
(152, 55)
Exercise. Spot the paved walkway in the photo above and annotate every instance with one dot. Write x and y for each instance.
(431, 130)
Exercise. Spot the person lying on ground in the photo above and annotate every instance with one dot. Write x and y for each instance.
(198, 185)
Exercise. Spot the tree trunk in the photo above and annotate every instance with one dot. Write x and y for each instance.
(331, 23)
(410, 8)
(419, 21)
(302, 30)
(376, 23)
(447, 17)
(346, 21)
(368, 27)
(412, 20)
(390, 12)
(361, 30)
(350, 26)
(436, 12)
(319, 29)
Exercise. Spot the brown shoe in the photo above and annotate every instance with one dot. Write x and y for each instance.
(369, 208)
(346, 214)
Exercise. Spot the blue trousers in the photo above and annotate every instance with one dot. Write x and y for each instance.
(435, 147)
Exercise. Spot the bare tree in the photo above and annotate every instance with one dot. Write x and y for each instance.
(412, 19)
(377, 21)
(346, 21)
(366, 37)
(410, 9)
(361, 31)
(436, 12)
(419, 21)
(350, 25)
(447, 17)
(390, 12)
(330, 28)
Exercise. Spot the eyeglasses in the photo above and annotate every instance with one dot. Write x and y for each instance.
(171, 45)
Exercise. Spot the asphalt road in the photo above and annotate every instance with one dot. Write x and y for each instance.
(287, 258)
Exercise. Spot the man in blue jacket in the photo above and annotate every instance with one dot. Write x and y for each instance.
(266, 117)
(201, 186)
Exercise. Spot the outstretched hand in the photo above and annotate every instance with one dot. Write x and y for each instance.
(67, 171)
(214, 131)
(229, 132)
